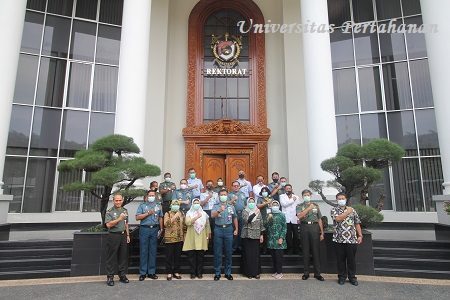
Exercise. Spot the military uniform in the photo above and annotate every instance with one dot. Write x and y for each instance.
(148, 237)
(183, 195)
(167, 197)
(218, 188)
(239, 206)
(310, 236)
(223, 237)
(116, 243)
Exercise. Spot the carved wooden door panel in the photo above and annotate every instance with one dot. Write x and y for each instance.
(234, 164)
(213, 167)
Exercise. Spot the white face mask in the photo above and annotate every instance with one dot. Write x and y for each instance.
(167, 179)
(220, 183)
(183, 186)
(342, 202)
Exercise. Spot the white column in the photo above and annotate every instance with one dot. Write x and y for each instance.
(438, 43)
(133, 70)
(12, 16)
(322, 138)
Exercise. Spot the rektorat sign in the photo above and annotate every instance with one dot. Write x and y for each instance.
(226, 50)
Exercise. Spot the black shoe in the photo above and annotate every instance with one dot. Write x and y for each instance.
(153, 276)
(305, 276)
(229, 277)
(192, 276)
(257, 276)
(176, 276)
(141, 277)
(341, 281)
(169, 277)
(110, 281)
(200, 276)
(354, 282)
(124, 279)
(216, 277)
(319, 277)
(249, 277)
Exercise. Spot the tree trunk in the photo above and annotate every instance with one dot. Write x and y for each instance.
(104, 203)
(326, 200)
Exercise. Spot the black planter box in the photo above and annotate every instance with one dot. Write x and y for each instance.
(88, 254)
(4, 232)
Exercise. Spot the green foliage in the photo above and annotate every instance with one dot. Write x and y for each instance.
(358, 176)
(351, 151)
(336, 165)
(447, 207)
(96, 228)
(116, 143)
(378, 153)
(368, 215)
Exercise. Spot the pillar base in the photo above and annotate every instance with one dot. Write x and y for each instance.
(443, 217)
(4, 207)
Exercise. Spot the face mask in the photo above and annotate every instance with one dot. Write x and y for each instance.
(175, 207)
(223, 198)
(209, 187)
(167, 179)
(192, 175)
(241, 176)
(151, 199)
(342, 202)
(251, 205)
(283, 183)
(196, 206)
(289, 193)
(183, 186)
(220, 183)
(264, 194)
(275, 209)
(275, 180)
(307, 198)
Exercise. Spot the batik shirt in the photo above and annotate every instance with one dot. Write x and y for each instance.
(345, 231)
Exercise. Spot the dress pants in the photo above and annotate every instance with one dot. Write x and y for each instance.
(292, 241)
(223, 240)
(310, 237)
(148, 243)
(173, 253)
(237, 241)
(117, 254)
(346, 264)
(277, 260)
(195, 258)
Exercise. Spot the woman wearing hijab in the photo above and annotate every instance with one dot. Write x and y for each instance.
(263, 204)
(276, 234)
(197, 236)
(173, 238)
(252, 236)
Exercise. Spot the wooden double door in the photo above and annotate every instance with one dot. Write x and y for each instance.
(226, 166)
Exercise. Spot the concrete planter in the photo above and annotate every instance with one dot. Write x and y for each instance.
(443, 217)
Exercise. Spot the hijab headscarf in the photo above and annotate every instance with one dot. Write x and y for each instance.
(200, 223)
(276, 202)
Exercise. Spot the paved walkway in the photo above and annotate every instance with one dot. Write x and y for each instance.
(290, 287)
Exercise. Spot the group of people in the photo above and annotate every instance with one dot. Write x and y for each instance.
(247, 219)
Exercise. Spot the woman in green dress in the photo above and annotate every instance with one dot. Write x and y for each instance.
(276, 234)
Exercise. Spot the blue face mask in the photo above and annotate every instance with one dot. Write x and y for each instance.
(196, 206)
(275, 209)
(264, 194)
(251, 205)
(223, 198)
(175, 207)
(151, 199)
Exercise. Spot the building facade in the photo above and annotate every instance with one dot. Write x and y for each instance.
(77, 70)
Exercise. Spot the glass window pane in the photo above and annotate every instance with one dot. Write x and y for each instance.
(432, 180)
(345, 98)
(396, 86)
(13, 178)
(421, 83)
(370, 89)
(402, 132)
(90, 202)
(56, 36)
(392, 45)
(83, 41)
(221, 88)
(341, 49)
(73, 132)
(60, 7)
(39, 185)
(232, 87)
(373, 126)
(415, 40)
(208, 87)
(108, 45)
(101, 125)
(366, 48)
(381, 187)
(411, 7)
(26, 79)
(104, 93)
(243, 88)
(347, 128)
(68, 201)
(427, 132)
(36, 4)
(408, 191)
(111, 11)
(79, 85)
(45, 132)
(219, 108)
(338, 11)
(388, 9)
(244, 109)
(362, 10)
(32, 32)
(86, 9)
(208, 109)
(232, 109)
(19, 130)
(50, 91)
